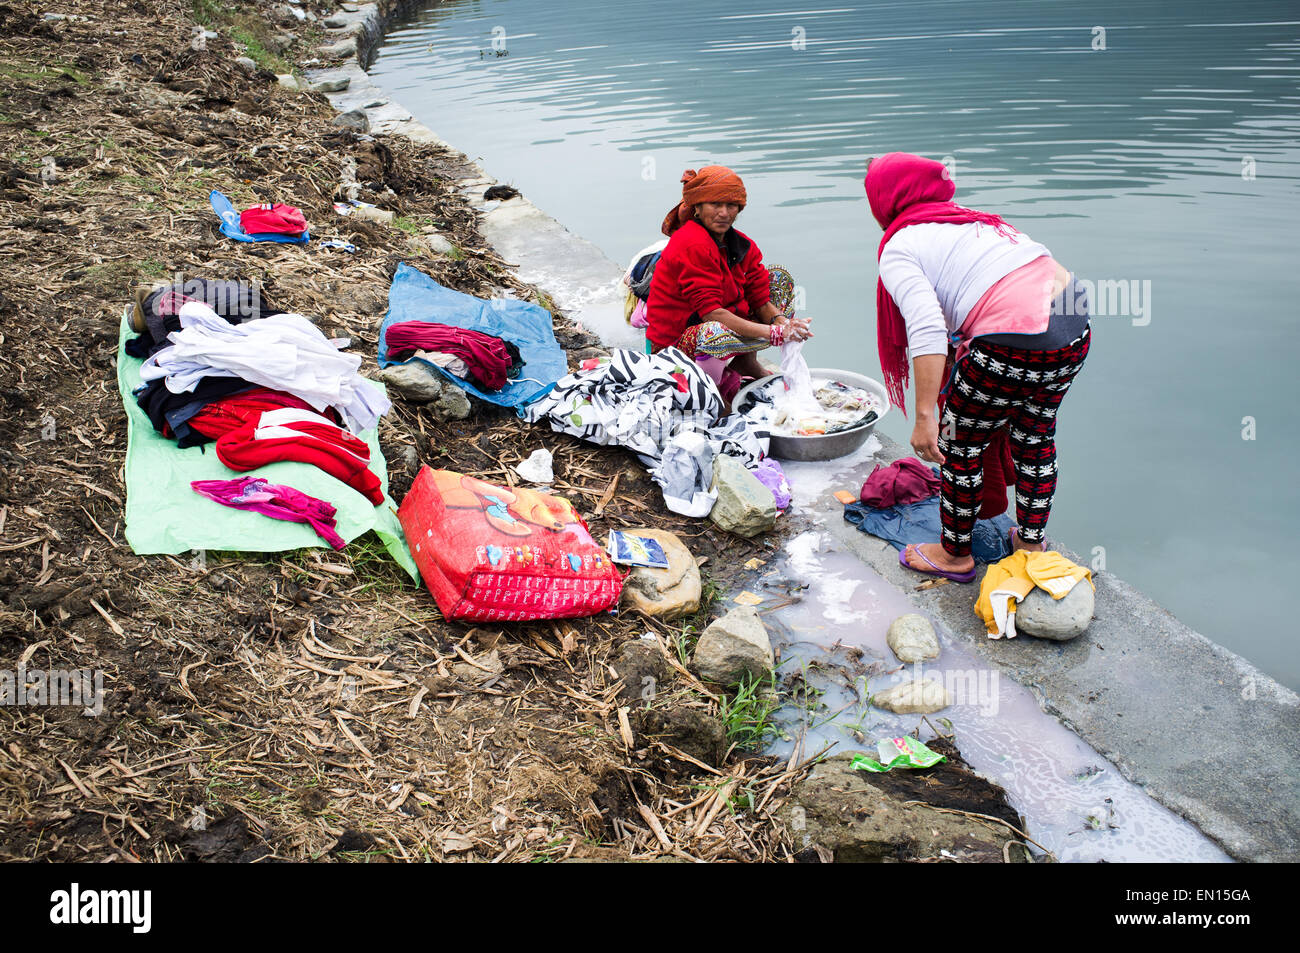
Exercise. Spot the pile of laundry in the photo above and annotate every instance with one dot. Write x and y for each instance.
(665, 409)
(486, 361)
(796, 404)
(224, 365)
(899, 503)
(264, 222)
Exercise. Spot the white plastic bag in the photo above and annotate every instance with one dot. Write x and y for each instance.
(685, 472)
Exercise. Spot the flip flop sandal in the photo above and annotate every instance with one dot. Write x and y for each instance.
(954, 576)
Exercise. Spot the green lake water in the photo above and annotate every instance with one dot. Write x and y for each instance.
(1153, 147)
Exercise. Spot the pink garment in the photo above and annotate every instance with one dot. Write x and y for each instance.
(1019, 303)
(274, 500)
(904, 481)
(639, 318)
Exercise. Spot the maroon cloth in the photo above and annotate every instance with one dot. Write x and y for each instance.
(999, 473)
(277, 219)
(904, 481)
(487, 357)
(903, 190)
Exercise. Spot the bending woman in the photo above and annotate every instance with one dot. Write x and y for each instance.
(710, 294)
(1018, 326)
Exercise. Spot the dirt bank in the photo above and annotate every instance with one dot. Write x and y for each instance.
(309, 705)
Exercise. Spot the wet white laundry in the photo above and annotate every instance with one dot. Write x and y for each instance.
(284, 352)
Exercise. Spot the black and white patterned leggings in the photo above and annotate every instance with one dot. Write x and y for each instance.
(998, 386)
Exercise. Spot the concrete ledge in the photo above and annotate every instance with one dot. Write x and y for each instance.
(1206, 733)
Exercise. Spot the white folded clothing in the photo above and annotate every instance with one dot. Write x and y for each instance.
(284, 352)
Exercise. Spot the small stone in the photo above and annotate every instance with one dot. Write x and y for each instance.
(488, 666)
(288, 81)
(416, 381)
(734, 646)
(664, 593)
(246, 63)
(340, 50)
(336, 85)
(920, 696)
(353, 119)
(336, 21)
(452, 405)
(1056, 619)
(912, 638)
(744, 505)
(436, 244)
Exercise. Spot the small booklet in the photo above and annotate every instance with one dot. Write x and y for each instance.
(636, 550)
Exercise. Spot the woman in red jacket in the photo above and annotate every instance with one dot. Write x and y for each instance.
(710, 295)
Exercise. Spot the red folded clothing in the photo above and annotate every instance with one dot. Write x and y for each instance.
(302, 436)
(230, 413)
(276, 219)
(488, 358)
(904, 481)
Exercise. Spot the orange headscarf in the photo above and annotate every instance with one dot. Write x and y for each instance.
(713, 183)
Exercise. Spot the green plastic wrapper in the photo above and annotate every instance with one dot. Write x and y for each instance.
(898, 753)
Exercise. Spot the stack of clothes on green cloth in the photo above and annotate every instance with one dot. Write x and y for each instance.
(218, 381)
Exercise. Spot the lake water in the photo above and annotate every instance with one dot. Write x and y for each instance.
(1154, 147)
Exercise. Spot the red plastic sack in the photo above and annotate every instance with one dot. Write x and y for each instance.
(495, 554)
(277, 219)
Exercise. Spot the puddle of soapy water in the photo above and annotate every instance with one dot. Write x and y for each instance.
(1052, 778)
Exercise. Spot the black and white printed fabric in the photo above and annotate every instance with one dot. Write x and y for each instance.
(644, 401)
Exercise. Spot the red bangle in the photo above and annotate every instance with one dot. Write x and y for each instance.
(776, 336)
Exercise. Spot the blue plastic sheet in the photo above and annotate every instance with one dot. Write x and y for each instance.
(230, 224)
(907, 523)
(414, 296)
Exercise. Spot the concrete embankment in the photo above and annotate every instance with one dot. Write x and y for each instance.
(1201, 729)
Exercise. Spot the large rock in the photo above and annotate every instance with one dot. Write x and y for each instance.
(354, 119)
(911, 637)
(732, 647)
(849, 815)
(664, 593)
(921, 696)
(744, 506)
(415, 380)
(1057, 619)
(335, 84)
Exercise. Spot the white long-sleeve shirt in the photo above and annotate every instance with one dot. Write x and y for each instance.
(936, 272)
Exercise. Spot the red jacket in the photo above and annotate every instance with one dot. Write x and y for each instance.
(693, 278)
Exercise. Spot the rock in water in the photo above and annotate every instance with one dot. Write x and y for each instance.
(920, 696)
(664, 593)
(734, 646)
(744, 506)
(912, 638)
(1057, 619)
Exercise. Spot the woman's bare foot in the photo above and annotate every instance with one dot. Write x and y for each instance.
(1018, 543)
(939, 556)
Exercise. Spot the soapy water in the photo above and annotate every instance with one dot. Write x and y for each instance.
(828, 613)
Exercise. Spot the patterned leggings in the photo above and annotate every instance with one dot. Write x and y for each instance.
(997, 386)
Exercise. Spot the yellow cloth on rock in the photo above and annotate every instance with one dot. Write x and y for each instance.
(1009, 581)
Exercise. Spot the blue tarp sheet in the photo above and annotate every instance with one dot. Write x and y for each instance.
(230, 224)
(414, 296)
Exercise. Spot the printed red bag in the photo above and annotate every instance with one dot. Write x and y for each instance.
(496, 554)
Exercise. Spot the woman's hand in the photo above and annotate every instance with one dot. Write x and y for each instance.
(796, 329)
(925, 439)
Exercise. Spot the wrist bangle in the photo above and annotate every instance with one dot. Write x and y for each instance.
(776, 336)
